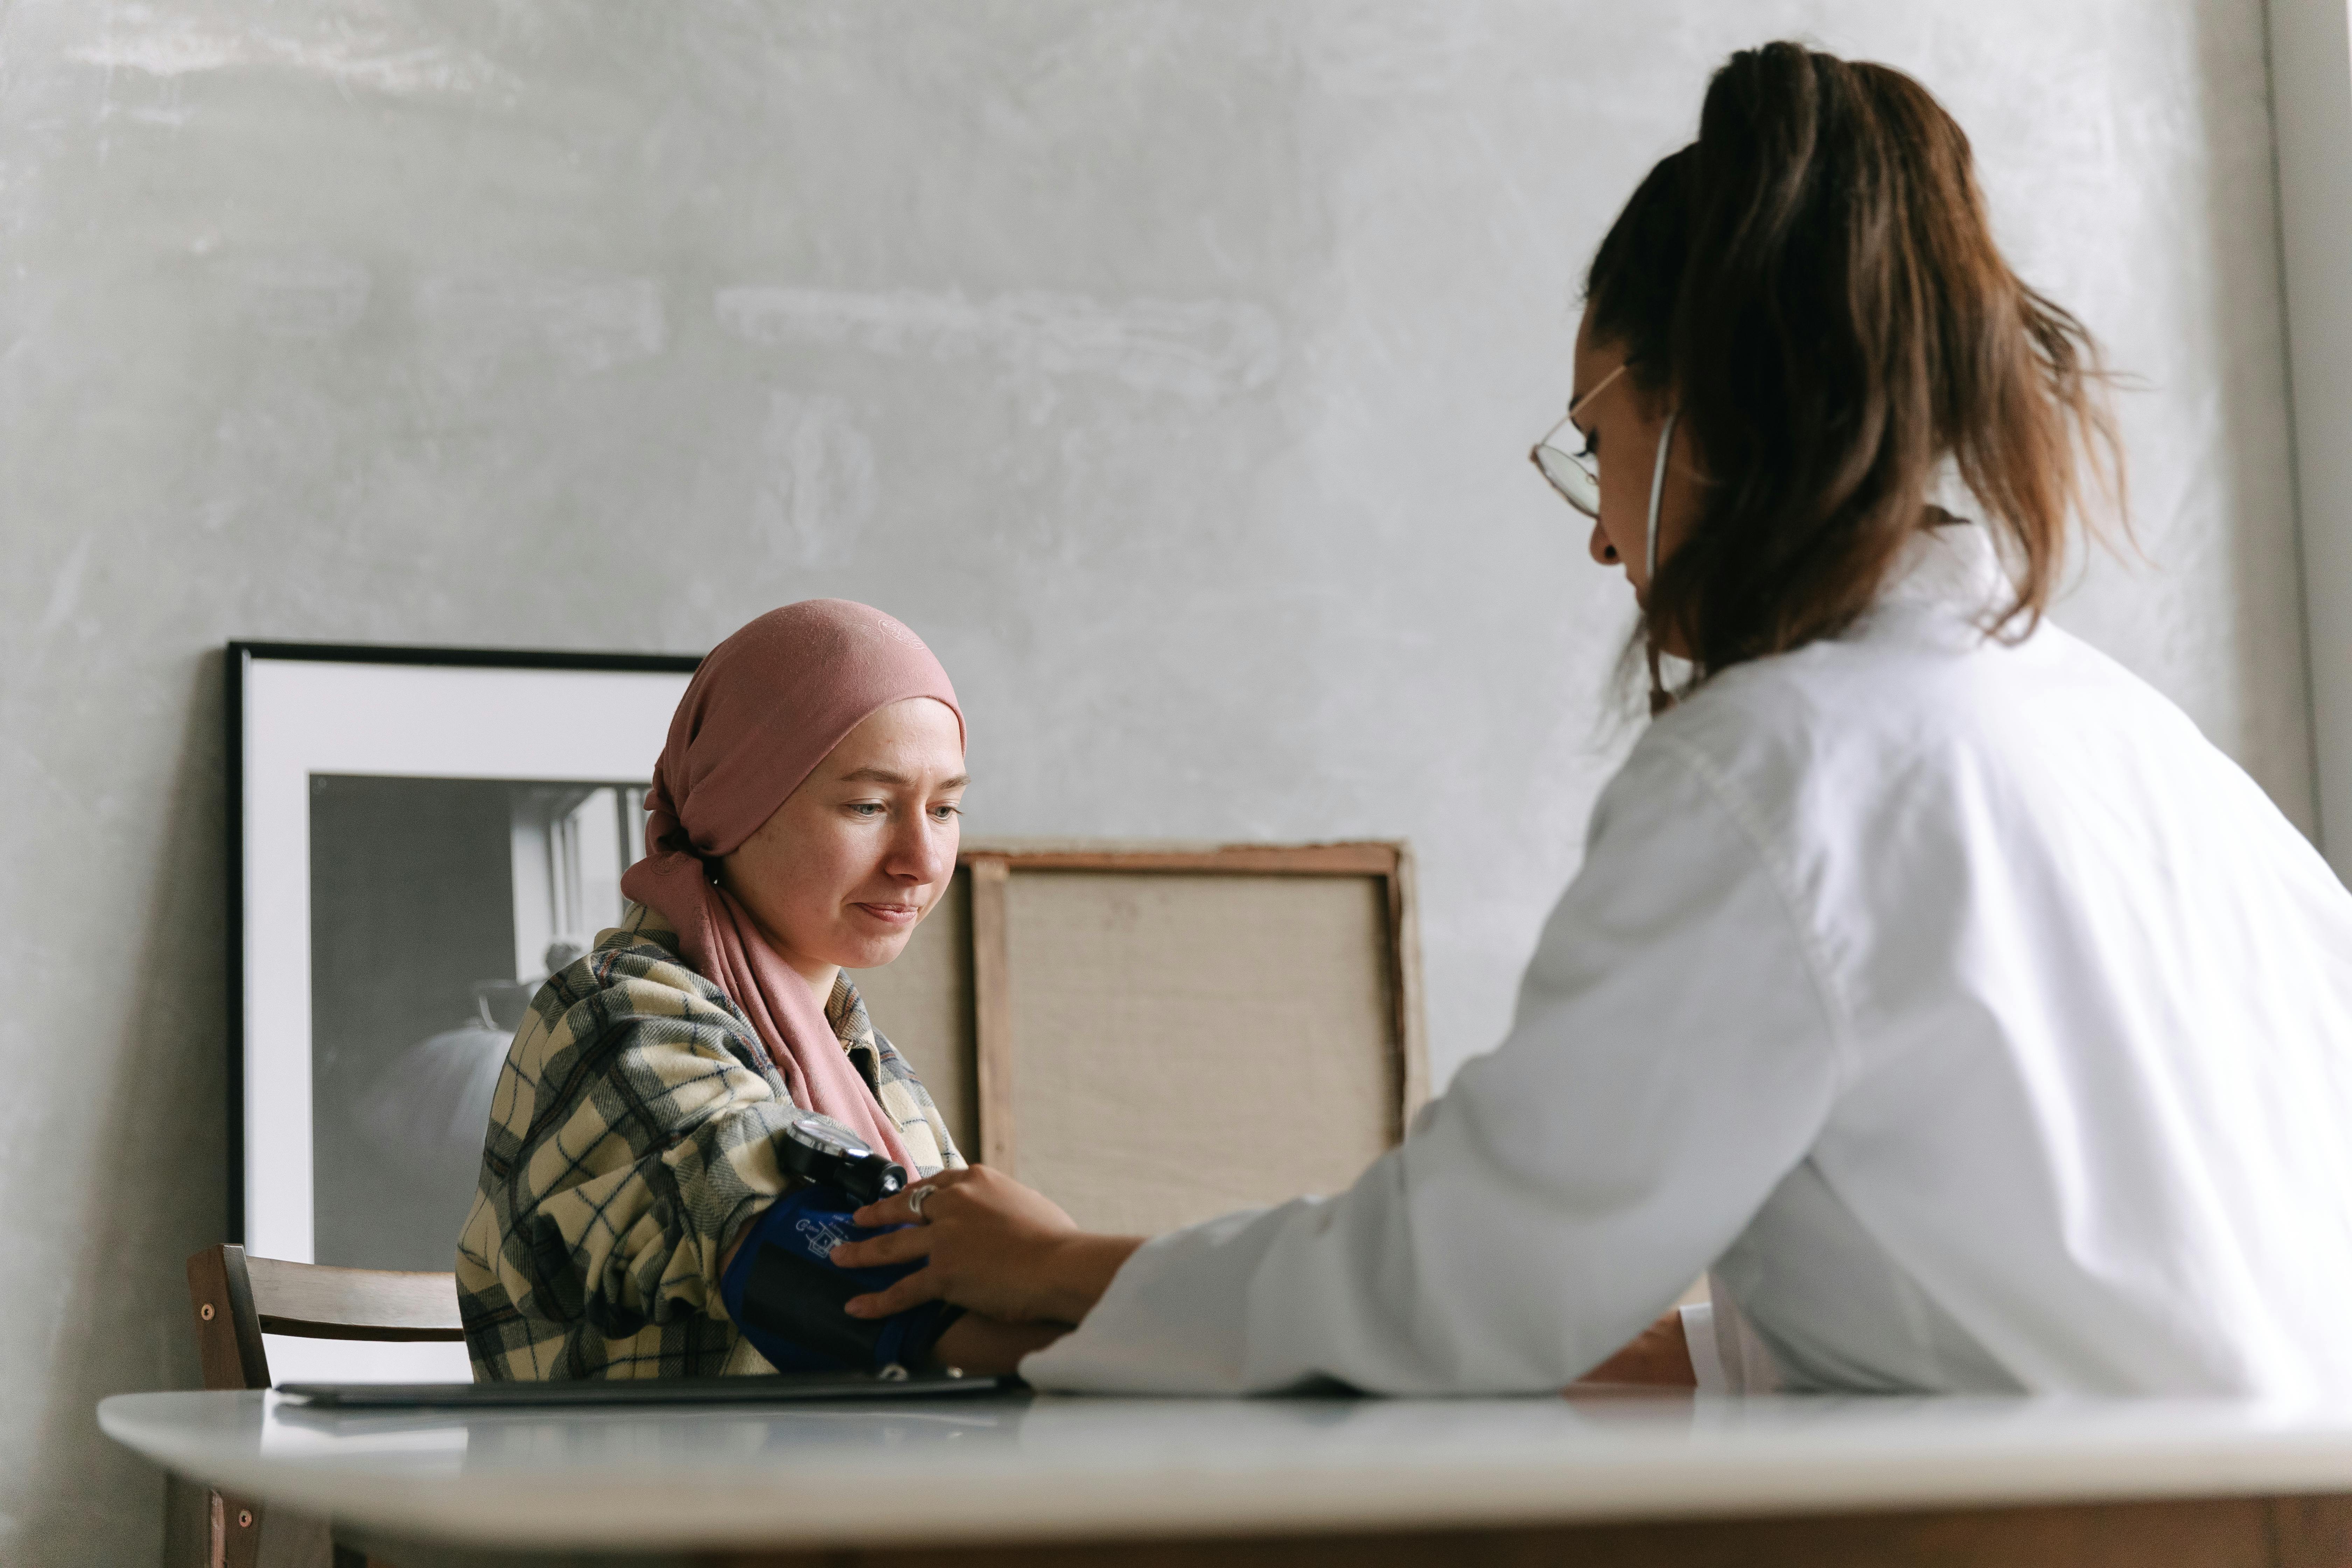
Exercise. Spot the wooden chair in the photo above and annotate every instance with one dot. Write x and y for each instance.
(239, 1299)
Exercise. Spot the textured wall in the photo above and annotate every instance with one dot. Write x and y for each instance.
(1169, 364)
(2310, 91)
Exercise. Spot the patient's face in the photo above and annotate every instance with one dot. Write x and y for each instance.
(847, 866)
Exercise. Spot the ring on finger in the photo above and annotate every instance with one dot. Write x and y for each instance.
(916, 1200)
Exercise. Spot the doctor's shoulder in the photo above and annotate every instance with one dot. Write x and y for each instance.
(1862, 739)
(1941, 758)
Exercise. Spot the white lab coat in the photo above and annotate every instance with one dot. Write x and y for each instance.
(1982, 1026)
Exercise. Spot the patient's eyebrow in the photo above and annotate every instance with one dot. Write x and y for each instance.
(885, 776)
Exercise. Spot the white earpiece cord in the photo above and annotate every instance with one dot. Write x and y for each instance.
(1658, 496)
(1660, 699)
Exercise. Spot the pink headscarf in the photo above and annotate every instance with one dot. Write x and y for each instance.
(768, 705)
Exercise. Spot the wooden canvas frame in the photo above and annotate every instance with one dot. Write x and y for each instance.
(989, 866)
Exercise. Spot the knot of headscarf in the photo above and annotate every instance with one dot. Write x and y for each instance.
(762, 711)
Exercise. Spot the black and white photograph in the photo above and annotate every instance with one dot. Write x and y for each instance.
(384, 834)
(437, 906)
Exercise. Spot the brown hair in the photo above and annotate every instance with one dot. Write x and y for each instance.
(1815, 281)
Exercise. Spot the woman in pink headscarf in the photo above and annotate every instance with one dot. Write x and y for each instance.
(803, 821)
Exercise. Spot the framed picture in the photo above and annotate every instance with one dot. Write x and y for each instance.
(1080, 1009)
(417, 836)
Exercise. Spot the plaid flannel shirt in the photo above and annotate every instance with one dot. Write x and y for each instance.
(631, 1136)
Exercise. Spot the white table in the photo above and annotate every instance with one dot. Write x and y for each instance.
(1658, 1479)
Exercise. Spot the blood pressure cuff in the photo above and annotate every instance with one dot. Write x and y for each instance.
(785, 1293)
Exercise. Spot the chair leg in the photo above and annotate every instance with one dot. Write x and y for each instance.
(236, 1532)
(188, 1523)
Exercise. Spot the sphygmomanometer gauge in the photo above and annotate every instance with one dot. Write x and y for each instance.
(822, 1150)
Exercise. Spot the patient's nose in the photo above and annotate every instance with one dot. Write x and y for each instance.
(921, 853)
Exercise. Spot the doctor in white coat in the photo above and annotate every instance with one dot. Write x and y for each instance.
(1928, 978)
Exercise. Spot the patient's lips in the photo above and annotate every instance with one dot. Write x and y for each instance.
(893, 913)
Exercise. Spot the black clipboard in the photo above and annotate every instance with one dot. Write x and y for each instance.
(776, 1388)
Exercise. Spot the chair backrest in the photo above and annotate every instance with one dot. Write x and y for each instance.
(239, 1299)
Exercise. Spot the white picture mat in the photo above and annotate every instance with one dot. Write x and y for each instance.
(303, 717)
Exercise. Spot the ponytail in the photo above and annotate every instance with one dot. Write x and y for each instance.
(1814, 282)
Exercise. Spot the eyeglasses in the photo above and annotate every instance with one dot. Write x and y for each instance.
(1575, 475)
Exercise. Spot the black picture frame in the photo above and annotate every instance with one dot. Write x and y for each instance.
(242, 658)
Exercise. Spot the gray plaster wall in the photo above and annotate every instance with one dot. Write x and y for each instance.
(1170, 366)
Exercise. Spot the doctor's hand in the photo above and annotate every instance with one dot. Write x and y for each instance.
(986, 1347)
(987, 1244)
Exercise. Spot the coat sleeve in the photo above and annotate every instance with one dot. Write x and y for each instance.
(1672, 1058)
(632, 1134)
